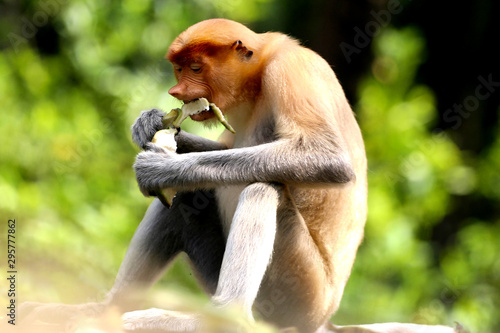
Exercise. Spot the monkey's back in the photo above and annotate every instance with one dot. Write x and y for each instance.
(319, 228)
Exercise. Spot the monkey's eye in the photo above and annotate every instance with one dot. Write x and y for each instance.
(177, 68)
(195, 67)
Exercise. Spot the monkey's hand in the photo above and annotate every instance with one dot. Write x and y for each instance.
(150, 166)
(146, 126)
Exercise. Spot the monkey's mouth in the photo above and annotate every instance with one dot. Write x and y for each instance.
(203, 115)
(200, 109)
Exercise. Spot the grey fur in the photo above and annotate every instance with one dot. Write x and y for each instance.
(191, 225)
(150, 122)
(282, 161)
(249, 245)
(187, 143)
(145, 127)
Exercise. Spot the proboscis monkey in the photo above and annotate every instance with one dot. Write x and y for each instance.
(271, 217)
(289, 187)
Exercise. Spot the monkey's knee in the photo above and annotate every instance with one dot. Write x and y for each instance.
(262, 193)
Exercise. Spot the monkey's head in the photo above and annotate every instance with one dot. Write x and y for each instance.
(215, 59)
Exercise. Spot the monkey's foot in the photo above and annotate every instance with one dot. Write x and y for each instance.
(157, 319)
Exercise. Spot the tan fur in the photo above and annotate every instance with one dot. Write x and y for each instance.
(320, 229)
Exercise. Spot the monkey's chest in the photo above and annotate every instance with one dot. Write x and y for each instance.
(227, 201)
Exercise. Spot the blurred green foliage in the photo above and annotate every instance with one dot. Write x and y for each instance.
(66, 157)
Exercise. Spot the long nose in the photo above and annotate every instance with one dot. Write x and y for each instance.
(178, 91)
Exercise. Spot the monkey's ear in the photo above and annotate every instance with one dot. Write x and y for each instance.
(242, 49)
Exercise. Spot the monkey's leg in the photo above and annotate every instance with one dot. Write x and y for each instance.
(249, 246)
(247, 254)
(162, 234)
(154, 244)
(194, 223)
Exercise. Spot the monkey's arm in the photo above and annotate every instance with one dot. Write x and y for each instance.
(189, 143)
(283, 161)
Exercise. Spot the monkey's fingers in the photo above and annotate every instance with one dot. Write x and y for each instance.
(145, 127)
